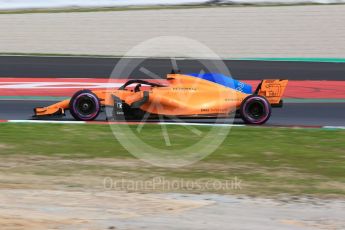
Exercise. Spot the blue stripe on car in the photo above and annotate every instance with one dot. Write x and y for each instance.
(225, 81)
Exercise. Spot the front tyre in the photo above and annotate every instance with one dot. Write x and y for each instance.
(255, 110)
(84, 106)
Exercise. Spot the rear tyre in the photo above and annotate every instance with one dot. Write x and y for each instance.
(84, 106)
(255, 110)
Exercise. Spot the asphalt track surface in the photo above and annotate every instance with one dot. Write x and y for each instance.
(299, 114)
(83, 67)
(318, 114)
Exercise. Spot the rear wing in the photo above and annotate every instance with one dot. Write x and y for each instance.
(273, 90)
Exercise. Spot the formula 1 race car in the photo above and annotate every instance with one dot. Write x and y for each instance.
(192, 95)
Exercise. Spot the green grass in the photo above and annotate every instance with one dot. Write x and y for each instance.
(269, 161)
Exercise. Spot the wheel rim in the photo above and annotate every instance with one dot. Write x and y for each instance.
(86, 106)
(256, 111)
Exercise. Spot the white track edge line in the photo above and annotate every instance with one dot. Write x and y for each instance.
(47, 122)
(159, 123)
(333, 127)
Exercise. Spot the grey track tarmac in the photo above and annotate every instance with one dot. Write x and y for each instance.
(84, 67)
(304, 114)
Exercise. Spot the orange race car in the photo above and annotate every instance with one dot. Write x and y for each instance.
(192, 95)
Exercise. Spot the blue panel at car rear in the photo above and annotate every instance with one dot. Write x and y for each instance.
(225, 81)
